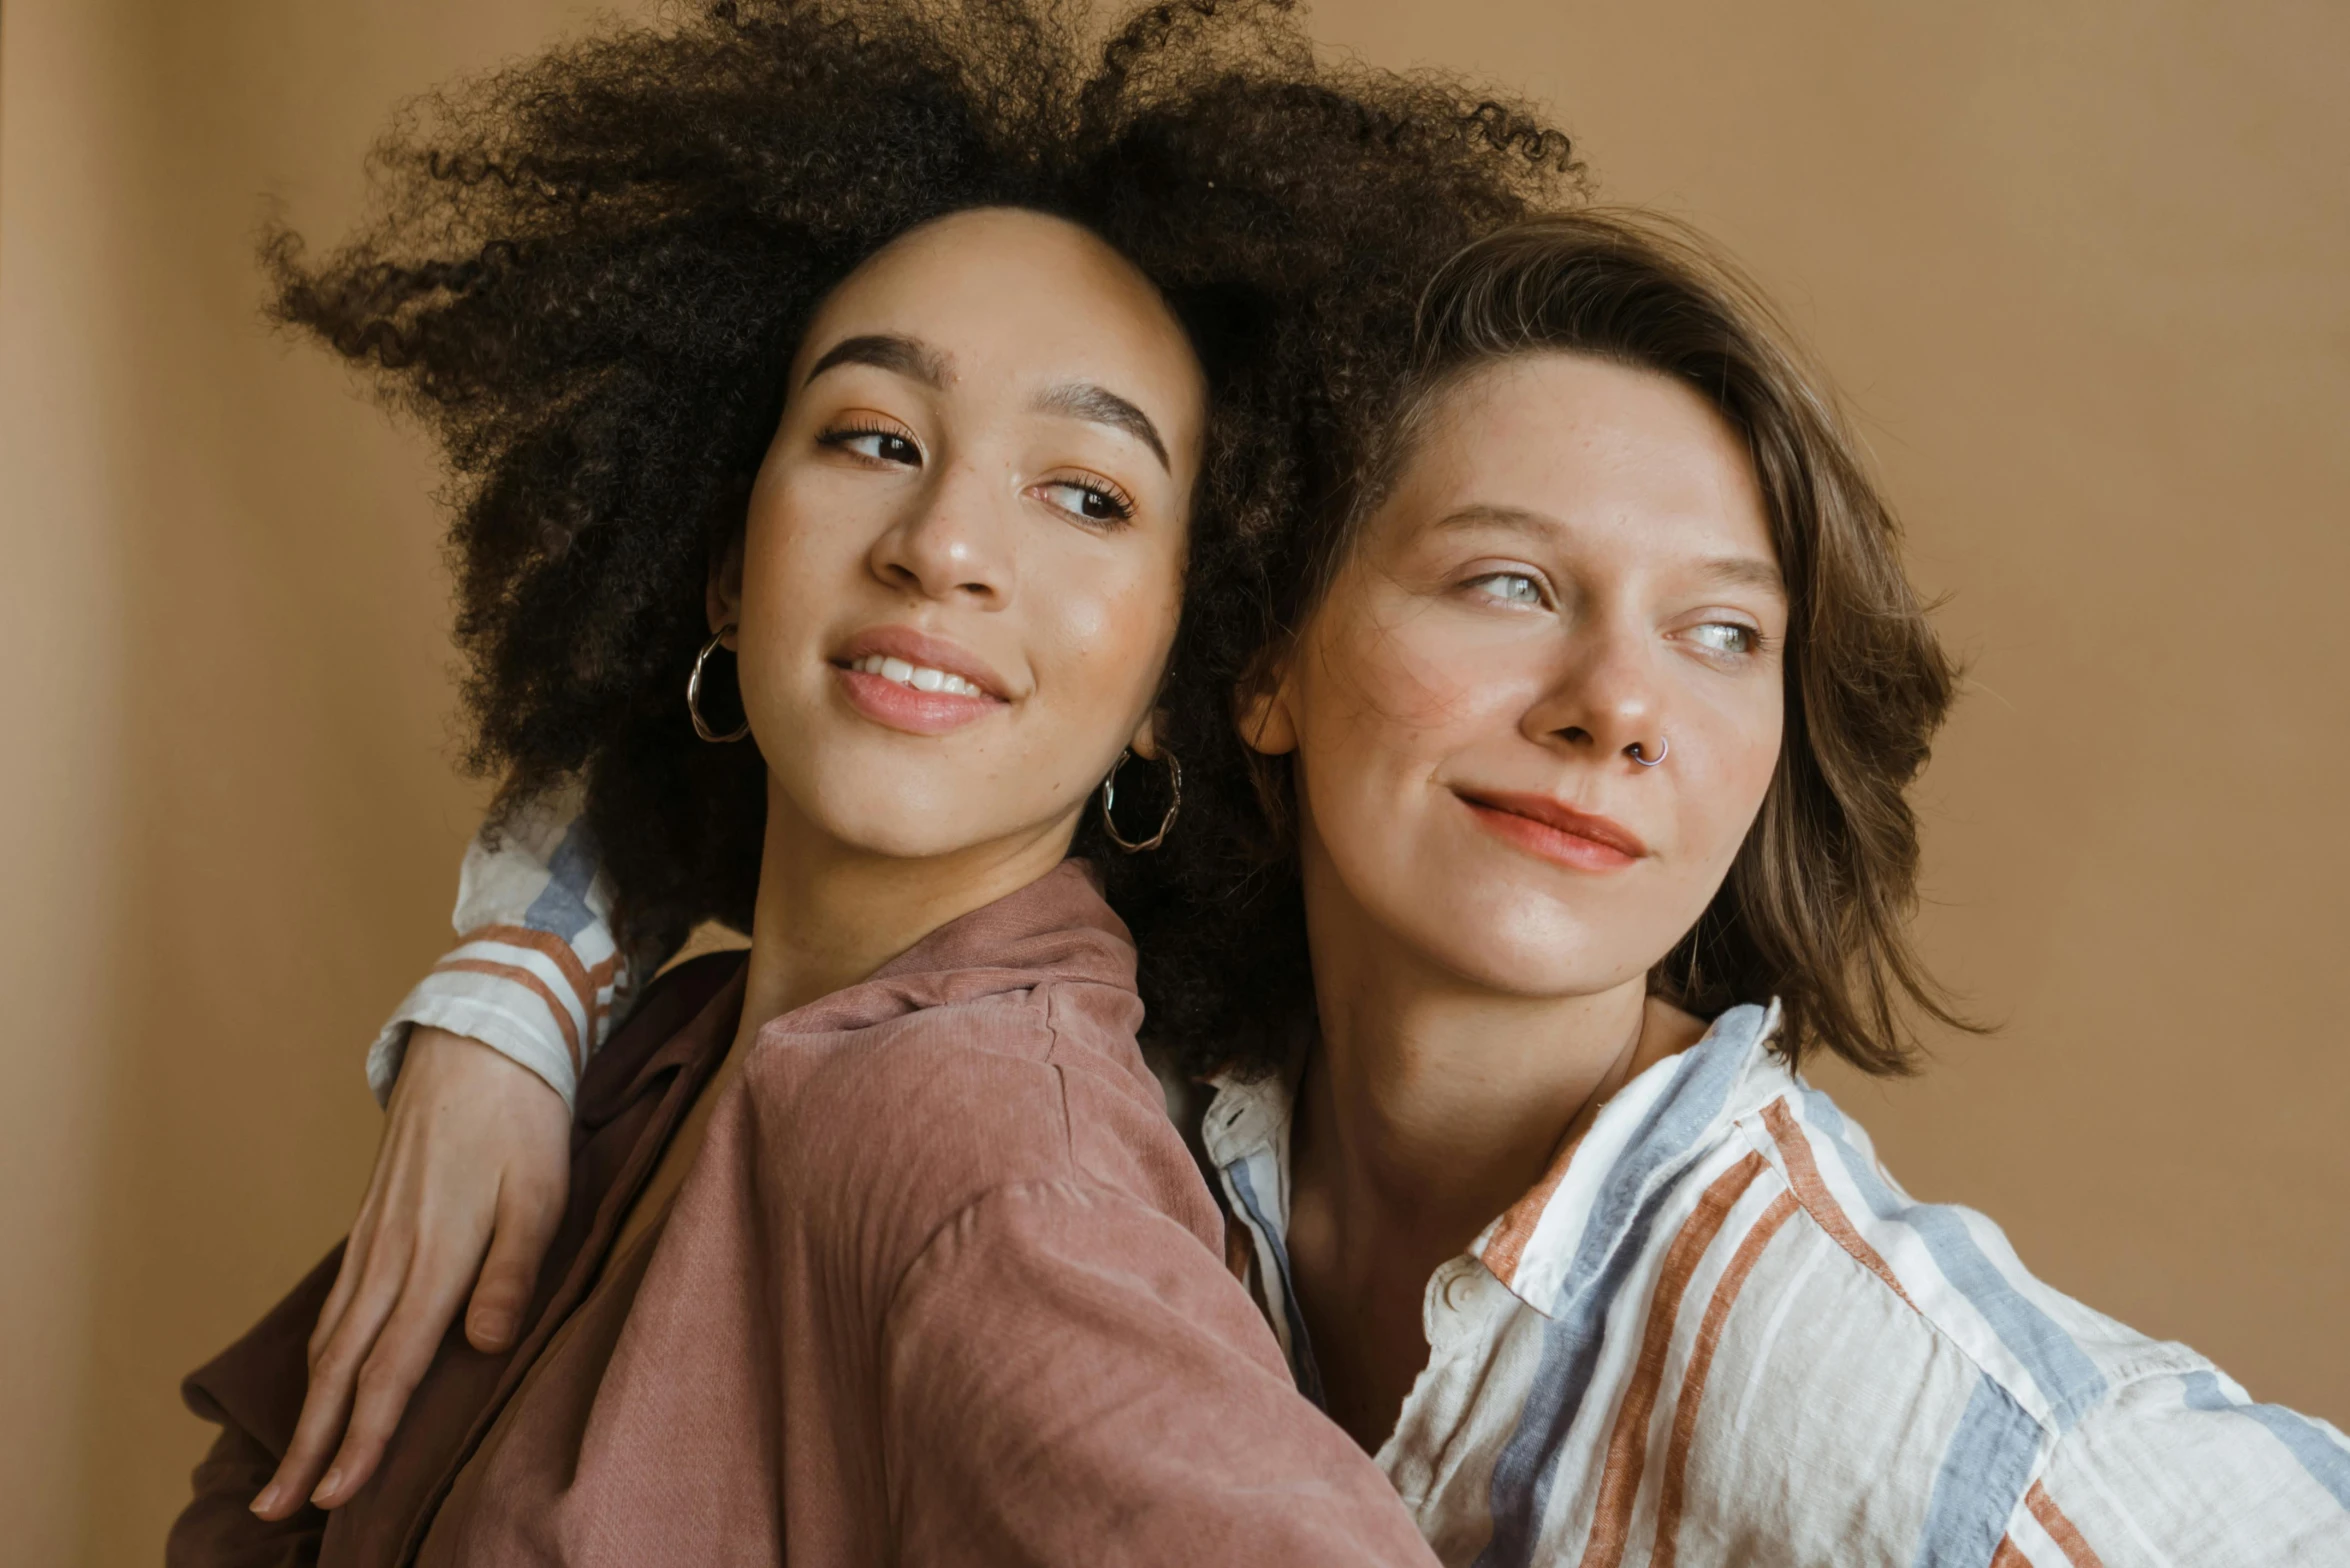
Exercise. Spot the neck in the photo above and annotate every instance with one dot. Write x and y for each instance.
(830, 914)
(1432, 1103)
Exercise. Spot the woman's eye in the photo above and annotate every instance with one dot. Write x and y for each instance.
(1508, 588)
(880, 446)
(1726, 637)
(1096, 503)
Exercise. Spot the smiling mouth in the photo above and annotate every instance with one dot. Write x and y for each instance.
(1558, 833)
(914, 683)
(918, 677)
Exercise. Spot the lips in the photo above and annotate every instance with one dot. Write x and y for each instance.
(922, 685)
(1554, 830)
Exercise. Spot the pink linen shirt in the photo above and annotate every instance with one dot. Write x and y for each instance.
(942, 1285)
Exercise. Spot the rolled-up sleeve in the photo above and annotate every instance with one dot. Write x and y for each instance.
(537, 974)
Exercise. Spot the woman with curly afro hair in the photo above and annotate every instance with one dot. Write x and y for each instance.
(874, 428)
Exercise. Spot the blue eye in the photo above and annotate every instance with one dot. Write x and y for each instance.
(1508, 588)
(1726, 637)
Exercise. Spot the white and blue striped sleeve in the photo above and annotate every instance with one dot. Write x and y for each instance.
(2183, 1468)
(537, 972)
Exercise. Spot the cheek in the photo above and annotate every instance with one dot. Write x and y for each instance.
(1741, 756)
(799, 559)
(1110, 630)
(1402, 685)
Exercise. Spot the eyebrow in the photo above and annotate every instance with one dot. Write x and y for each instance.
(1101, 406)
(903, 356)
(1506, 516)
(1746, 571)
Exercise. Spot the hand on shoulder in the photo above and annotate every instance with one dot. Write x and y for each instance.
(474, 1163)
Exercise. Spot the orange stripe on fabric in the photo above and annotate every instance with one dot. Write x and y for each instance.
(523, 977)
(2008, 1557)
(1803, 1174)
(2066, 1534)
(1627, 1447)
(557, 952)
(1508, 1246)
(1672, 1493)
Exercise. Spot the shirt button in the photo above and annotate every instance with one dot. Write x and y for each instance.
(1457, 1285)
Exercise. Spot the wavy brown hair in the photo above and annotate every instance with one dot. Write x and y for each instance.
(1815, 909)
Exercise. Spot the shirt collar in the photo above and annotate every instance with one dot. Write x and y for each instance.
(1547, 1244)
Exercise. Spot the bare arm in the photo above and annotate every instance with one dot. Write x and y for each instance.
(478, 1068)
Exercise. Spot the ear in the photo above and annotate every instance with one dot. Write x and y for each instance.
(1145, 743)
(1261, 707)
(724, 595)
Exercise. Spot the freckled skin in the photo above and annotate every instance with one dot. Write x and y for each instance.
(1576, 560)
(1409, 684)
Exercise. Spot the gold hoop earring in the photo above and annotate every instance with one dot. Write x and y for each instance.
(693, 691)
(1110, 798)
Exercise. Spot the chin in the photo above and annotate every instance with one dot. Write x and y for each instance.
(1528, 948)
(883, 806)
(878, 825)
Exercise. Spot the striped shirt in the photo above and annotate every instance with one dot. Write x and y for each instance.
(535, 974)
(1717, 1331)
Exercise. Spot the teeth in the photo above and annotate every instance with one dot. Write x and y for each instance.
(919, 676)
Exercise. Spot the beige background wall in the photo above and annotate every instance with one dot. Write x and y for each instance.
(2084, 269)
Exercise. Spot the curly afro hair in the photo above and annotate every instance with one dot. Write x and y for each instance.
(587, 274)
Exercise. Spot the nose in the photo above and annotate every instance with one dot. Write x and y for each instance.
(955, 541)
(1604, 699)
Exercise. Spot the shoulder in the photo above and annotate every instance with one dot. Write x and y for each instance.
(959, 1091)
(893, 1128)
(1908, 1343)
(1951, 1269)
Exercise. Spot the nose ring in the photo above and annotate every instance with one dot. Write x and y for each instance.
(1664, 749)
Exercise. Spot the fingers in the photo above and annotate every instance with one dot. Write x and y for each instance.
(334, 1373)
(393, 1368)
(359, 1250)
(474, 1145)
(528, 1212)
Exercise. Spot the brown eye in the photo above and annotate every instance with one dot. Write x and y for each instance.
(1095, 503)
(881, 446)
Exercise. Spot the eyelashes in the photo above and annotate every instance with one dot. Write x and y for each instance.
(1096, 499)
(1518, 588)
(1722, 640)
(1732, 639)
(1088, 497)
(888, 443)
